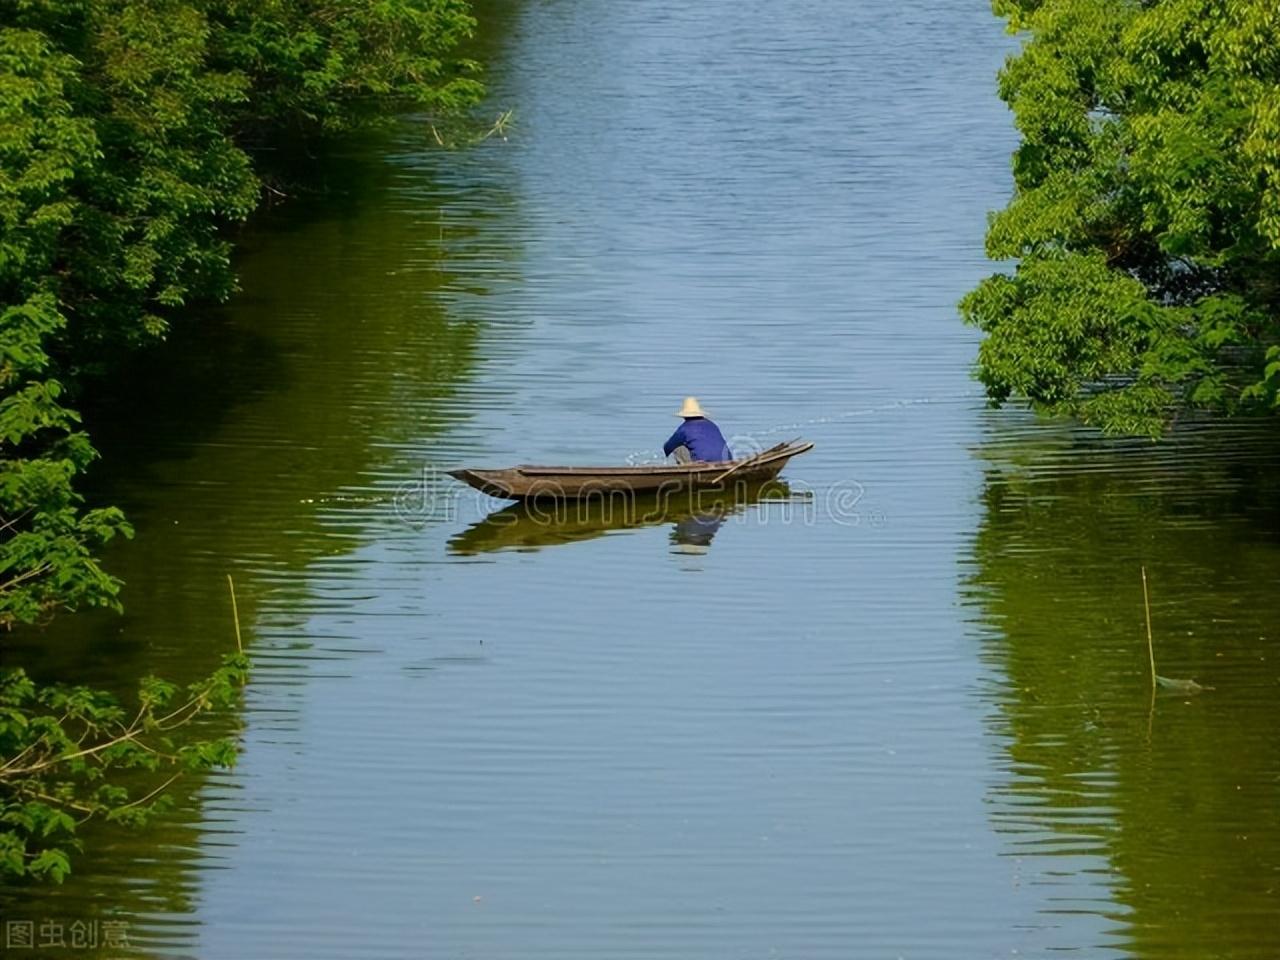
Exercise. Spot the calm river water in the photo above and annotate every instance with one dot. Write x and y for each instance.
(906, 715)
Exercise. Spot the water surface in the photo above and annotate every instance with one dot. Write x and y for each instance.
(905, 715)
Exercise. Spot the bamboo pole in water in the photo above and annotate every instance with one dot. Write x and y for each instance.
(1151, 650)
(235, 613)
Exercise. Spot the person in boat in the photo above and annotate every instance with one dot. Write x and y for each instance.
(698, 438)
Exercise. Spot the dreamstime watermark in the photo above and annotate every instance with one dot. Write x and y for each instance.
(433, 497)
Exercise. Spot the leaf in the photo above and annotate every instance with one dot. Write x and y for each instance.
(51, 863)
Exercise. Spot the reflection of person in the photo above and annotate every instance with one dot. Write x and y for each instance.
(694, 534)
(698, 438)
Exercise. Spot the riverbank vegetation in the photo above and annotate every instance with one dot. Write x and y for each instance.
(72, 754)
(1145, 220)
(128, 132)
(132, 138)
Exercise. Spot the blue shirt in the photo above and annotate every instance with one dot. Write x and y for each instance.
(702, 437)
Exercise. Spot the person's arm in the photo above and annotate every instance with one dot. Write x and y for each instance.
(677, 438)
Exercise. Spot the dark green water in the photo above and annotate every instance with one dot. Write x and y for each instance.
(904, 714)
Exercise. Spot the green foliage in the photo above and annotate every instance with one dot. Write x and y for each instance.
(1146, 214)
(124, 127)
(71, 754)
(46, 538)
(344, 62)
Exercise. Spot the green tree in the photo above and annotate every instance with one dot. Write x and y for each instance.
(46, 540)
(71, 754)
(1146, 213)
(125, 135)
(331, 66)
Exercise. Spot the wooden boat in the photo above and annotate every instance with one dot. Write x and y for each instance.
(573, 483)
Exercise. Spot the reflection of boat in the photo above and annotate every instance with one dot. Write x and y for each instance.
(568, 483)
(696, 517)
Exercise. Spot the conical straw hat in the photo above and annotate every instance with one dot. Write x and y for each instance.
(691, 408)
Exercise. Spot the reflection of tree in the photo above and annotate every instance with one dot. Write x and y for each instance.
(1181, 798)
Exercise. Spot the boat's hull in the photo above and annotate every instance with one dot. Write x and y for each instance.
(576, 483)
